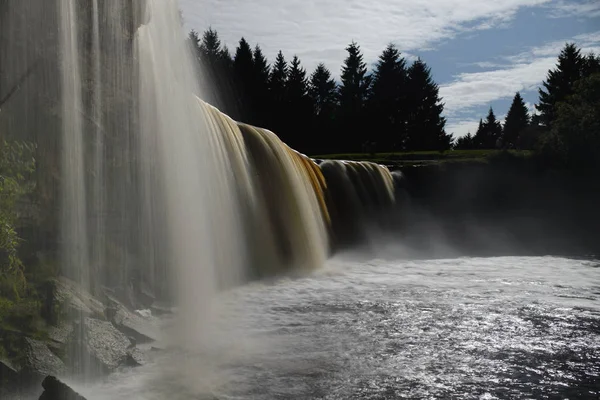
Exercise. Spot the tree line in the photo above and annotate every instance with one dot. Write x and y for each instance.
(396, 107)
(565, 121)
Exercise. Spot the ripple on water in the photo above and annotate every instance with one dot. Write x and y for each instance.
(467, 328)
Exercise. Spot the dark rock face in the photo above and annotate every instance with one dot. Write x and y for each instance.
(106, 344)
(56, 390)
(41, 360)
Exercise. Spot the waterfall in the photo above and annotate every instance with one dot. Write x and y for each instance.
(160, 191)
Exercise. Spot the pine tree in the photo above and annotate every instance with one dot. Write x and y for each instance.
(489, 133)
(277, 95)
(591, 65)
(559, 82)
(425, 122)
(353, 94)
(299, 110)
(243, 68)
(387, 105)
(260, 87)
(516, 121)
(323, 92)
(466, 142)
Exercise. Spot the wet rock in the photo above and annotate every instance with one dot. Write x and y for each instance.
(39, 359)
(161, 309)
(143, 330)
(7, 370)
(135, 358)
(106, 345)
(76, 300)
(56, 390)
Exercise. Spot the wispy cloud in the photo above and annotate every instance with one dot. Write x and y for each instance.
(575, 8)
(520, 72)
(319, 30)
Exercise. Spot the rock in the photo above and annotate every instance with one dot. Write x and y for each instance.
(160, 309)
(76, 300)
(143, 330)
(7, 371)
(135, 358)
(39, 359)
(56, 390)
(108, 346)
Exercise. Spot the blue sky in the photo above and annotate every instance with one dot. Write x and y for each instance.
(480, 51)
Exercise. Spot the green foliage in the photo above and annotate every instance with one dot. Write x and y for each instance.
(489, 133)
(575, 136)
(16, 165)
(559, 82)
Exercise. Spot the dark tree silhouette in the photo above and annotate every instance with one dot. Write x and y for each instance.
(277, 93)
(299, 108)
(489, 133)
(243, 68)
(387, 103)
(353, 94)
(260, 87)
(466, 142)
(322, 91)
(559, 82)
(517, 120)
(425, 122)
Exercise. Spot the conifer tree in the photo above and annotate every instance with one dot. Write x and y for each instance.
(277, 94)
(490, 132)
(465, 142)
(299, 110)
(517, 120)
(425, 123)
(387, 105)
(353, 94)
(478, 139)
(243, 68)
(260, 87)
(322, 91)
(559, 82)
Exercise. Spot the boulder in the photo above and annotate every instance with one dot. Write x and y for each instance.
(40, 360)
(56, 390)
(76, 300)
(107, 346)
(141, 329)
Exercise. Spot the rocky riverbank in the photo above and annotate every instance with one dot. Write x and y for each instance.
(95, 335)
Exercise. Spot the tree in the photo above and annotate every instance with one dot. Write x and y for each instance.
(559, 82)
(299, 110)
(277, 93)
(489, 134)
(388, 99)
(260, 87)
(322, 92)
(575, 135)
(465, 142)
(425, 122)
(243, 68)
(516, 121)
(353, 94)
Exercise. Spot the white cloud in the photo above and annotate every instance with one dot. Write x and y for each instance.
(463, 126)
(575, 8)
(521, 72)
(319, 30)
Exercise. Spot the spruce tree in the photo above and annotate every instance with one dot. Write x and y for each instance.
(277, 95)
(425, 123)
(491, 132)
(353, 94)
(299, 110)
(517, 120)
(559, 82)
(387, 105)
(243, 68)
(478, 139)
(322, 91)
(260, 87)
(465, 142)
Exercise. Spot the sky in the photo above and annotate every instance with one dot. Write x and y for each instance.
(481, 52)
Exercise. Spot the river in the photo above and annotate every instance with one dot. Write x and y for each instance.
(468, 328)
